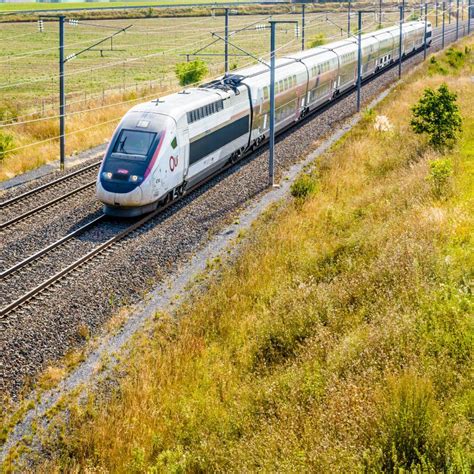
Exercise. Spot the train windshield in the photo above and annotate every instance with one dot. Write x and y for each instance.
(134, 144)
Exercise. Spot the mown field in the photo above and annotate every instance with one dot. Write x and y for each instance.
(341, 338)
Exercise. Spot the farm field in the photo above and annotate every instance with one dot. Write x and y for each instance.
(337, 339)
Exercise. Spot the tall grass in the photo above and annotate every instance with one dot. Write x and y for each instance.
(340, 340)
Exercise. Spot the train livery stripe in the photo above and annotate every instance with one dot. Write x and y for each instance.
(215, 140)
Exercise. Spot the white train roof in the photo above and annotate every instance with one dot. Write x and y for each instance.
(175, 104)
(188, 99)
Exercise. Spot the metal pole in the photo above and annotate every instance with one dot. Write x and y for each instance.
(359, 60)
(349, 19)
(272, 106)
(436, 14)
(62, 98)
(449, 11)
(302, 26)
(426, 30)
(443, 26)
(400, 45)
(226, 43)
(457, 20)
(469, 17)
(380, 17)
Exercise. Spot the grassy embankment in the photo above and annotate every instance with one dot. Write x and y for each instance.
(340, 340)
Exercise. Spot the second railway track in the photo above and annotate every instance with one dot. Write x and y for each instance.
(35, 200)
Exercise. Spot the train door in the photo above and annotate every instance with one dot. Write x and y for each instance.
(183, 147)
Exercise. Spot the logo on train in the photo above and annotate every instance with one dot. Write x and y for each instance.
(173, 162)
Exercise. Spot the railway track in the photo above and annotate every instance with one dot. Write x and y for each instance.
(20, 297)
(25, 293)
(36, 200)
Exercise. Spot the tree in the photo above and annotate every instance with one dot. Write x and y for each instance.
(6, 144)
(317, 40)
(437, 115)
(190, 72)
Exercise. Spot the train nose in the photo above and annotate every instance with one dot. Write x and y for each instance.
(132, 198)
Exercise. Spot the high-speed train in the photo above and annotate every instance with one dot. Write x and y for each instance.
(165, 146)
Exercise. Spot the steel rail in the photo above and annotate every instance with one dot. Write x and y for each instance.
(105, 245)
(121, 235)
(47, 185)
(50, 247)
(26, 214)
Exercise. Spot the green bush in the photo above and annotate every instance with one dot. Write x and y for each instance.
(191, 72)
(303, 187)
(408, 434)
(435, 67)
(437, 115)
(6, 144)
(317, 40)
(369, 115)
(455, 58)
(440, 176)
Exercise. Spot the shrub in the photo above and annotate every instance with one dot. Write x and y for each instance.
(303, 187)
(369, 115)
(440, 176)
(435, 67)
(455, 58)
(6, 144)
(437, 115)
(407, 428)
(317, 40)
(191, 72)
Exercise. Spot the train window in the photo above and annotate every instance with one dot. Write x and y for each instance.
(134, 143)
(286, 83)
(265, 92)
(205, 110)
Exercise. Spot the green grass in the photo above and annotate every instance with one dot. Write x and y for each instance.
(341, 339)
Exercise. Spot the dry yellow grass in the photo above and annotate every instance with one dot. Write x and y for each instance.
(340, 341)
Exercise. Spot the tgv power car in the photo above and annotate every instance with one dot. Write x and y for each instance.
(162, 147)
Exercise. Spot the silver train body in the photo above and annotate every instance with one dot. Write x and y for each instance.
(162, 147)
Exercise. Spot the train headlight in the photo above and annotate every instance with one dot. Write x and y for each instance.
(134, 178)
(107, 175)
